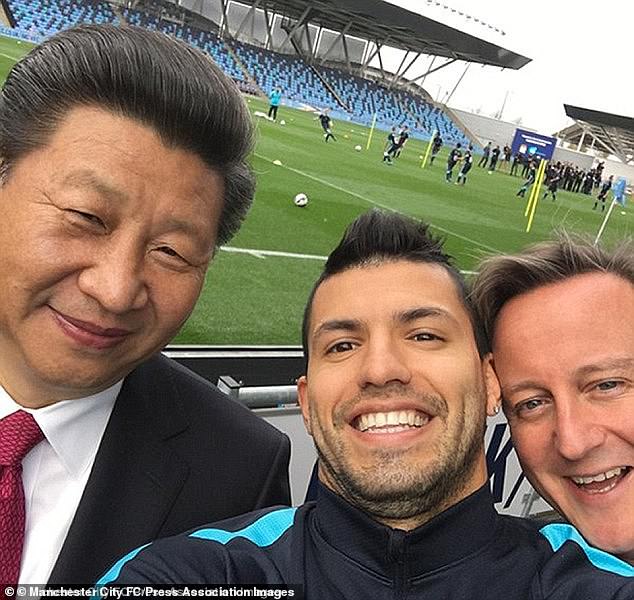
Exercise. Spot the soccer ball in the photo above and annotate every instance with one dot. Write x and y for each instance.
(282, 122)
(357, 148)
(301, 200)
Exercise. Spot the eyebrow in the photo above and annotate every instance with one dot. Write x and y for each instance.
(406, 316)
(88, 178)
(423, 312)
(506, 391)
(522, 385)
(351, 325)
(617, 363)
(613, 363)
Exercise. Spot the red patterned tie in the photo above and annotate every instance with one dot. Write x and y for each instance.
(18, 434)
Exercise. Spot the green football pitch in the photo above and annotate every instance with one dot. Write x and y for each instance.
(256, 289)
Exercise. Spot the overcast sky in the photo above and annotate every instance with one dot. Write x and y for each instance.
(582, 55)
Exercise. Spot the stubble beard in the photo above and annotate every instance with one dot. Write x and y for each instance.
(391, 490)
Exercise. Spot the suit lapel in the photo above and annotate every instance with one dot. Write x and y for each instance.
(134, 480)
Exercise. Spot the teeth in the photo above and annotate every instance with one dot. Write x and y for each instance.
(599, 477)
(391, 421)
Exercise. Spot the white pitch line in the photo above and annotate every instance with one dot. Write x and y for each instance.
(13, 58)
(264, 253)
(379, 204)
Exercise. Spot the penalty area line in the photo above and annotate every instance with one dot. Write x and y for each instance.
(379, 204)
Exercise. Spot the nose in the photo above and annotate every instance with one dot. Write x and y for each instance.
(577, 433)
(383, 362)
(115, 278)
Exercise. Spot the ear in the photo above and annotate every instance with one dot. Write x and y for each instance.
(492, 386)
(302, 398)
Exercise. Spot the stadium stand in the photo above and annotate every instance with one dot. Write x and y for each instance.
(299, 83)
(364, 98)
(255, 69)
(205, 40)
(432, 118)
(45, 18)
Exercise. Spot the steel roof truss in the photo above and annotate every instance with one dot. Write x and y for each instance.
(297, 25)
(250, 13)
(590, 130)
(269, 34)
(616, 143)
(430, 70)
(309, 42)
(223, 30)
(334, 42)
(371, 55)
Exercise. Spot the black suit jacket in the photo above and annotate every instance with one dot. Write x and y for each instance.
(176, 453)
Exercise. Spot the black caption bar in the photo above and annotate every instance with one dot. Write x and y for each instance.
(115, 592)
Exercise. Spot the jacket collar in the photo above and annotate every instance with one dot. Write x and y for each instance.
(456, 533)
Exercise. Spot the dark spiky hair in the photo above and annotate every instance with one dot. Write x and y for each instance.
(377, 237)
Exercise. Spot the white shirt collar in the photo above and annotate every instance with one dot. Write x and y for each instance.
(73, 428)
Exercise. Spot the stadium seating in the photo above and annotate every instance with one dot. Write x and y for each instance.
(392, 107)
(363, 98)
(302, 84)
(45, 17)
(432, 118)
(205, 40)
(298, 81)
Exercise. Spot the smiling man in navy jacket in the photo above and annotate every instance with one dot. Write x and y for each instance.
(395, 396)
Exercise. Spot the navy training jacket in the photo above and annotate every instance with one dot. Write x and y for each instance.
(334, 550)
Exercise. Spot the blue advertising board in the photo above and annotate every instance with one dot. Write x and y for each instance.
(533, 144)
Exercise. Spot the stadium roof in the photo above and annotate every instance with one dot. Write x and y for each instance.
(395, 26)
(610, 133)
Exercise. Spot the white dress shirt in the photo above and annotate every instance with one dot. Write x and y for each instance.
(55, 472)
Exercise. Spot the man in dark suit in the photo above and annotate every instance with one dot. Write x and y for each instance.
(123, 168)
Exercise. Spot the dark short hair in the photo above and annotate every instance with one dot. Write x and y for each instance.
(144, 75)
(502, 278)
(378, 237)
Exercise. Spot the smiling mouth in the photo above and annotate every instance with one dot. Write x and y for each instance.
(89, 334)
(91, 327)
(395, 421)
(601, 482)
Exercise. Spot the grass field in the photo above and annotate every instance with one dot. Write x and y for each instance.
(257, 298)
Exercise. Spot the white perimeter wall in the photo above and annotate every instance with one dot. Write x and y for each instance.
(487, 129)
